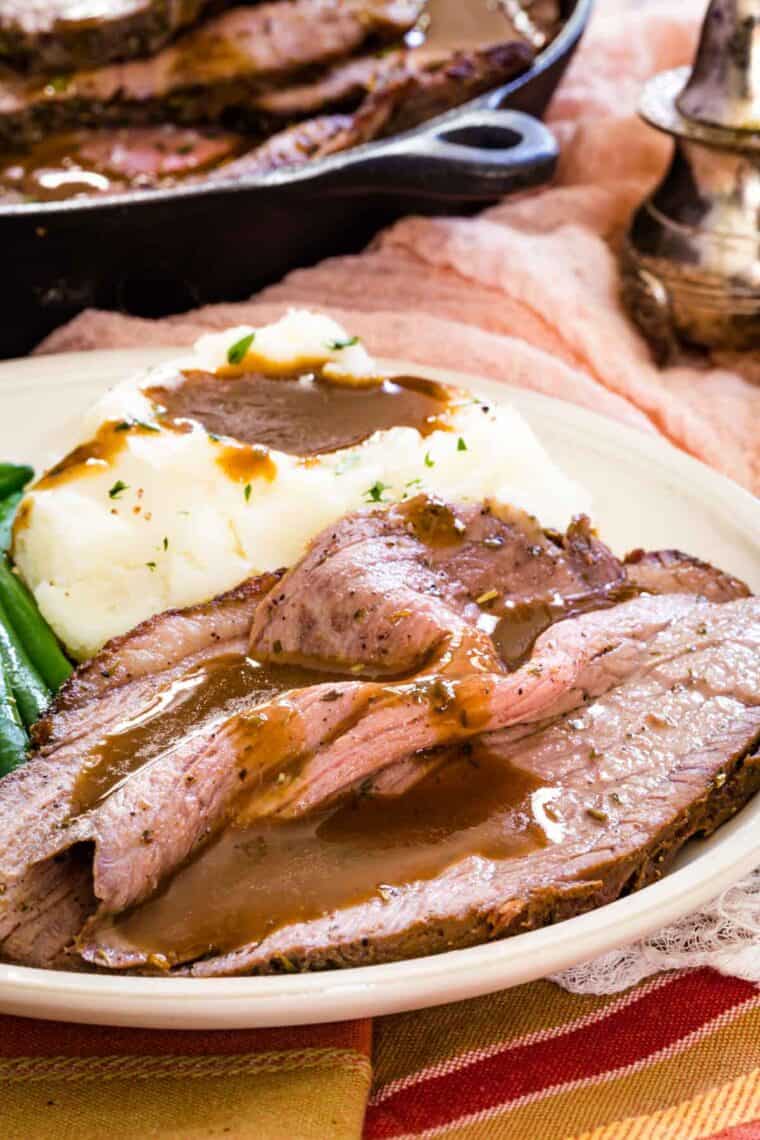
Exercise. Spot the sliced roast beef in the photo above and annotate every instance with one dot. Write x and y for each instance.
(412, 85)
(146, 808)
(108, 160)
(130, 677)
(575, 659)
(402, 97)
(294, 753)
(61, 35)
(671, 572)
(172, 741)
(383, 588)
(428, 90)
(604, 797)
(341, 87)
(139, 677)
(220, 65)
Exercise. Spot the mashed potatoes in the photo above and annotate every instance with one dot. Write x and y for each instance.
(125, 532)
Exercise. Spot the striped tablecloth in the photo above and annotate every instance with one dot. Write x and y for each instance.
(677, 1058)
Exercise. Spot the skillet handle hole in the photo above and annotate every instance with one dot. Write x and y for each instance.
(483, 136)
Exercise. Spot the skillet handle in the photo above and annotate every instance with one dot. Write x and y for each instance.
(477, 154)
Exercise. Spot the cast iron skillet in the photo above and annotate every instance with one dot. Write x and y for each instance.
(155, 252)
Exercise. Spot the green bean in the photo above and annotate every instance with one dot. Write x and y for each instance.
(30, 691)
(13, 738)
(33, 631)
(8, 508)
(13, 478)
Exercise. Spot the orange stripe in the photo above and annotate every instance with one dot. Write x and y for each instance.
(750, 1131)
(696, 1119)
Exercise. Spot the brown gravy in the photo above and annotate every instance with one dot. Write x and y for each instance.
(243, 462)
(247, 415)
(97, 162)
(253, 880)
(434, 522)
(209, 692)
(519, 626)
(449, 24)
(302, 415)
(93, 456)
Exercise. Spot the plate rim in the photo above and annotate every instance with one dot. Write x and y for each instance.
(310, 998)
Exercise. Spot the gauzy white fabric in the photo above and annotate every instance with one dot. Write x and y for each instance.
(724, 935)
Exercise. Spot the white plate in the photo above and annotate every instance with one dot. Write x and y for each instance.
(646, 494)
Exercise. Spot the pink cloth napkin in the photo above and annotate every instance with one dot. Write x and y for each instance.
(527, 292)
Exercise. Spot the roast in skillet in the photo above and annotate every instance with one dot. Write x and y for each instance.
(145, 94)
(446, 722)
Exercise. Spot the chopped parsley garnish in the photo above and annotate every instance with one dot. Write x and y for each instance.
(338, 345)
(165, 543)
(117, 489)
(413, 483)
(374, 494)
(59, 83)
(126, 425)
(461, 445)
(151, 565)
(247, 492)
(428, 461)
(237, 352)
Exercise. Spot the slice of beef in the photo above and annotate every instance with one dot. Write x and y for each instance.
(622, 783)
(500, 44)
(303, 142)
(430, 80)
(61, 35)
(340, 88)
(576, 659)
(421, 93)
(252, 765)
(283, 756)
(130, 670)
(385, 588)
(672, 572)
(126, 678)
(220, 65)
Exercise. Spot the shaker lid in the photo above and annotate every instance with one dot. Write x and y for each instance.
(724, 87)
